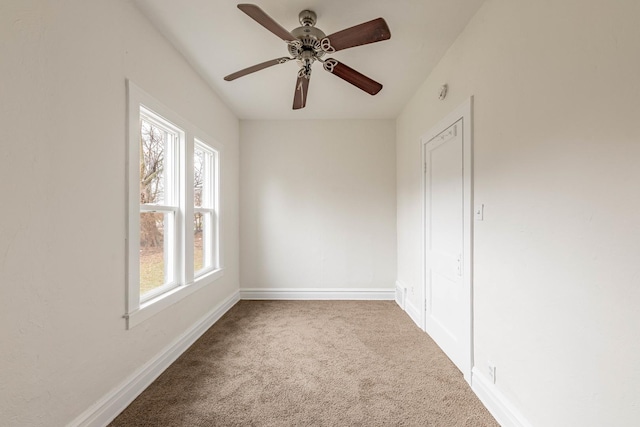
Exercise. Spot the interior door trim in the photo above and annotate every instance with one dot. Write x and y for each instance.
(464, 112)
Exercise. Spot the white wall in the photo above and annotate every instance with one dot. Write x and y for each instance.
(318, 204)
(62, 186)
(557, 277)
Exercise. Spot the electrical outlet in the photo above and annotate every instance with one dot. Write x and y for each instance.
(492, 372)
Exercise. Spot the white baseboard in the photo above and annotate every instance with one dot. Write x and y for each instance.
(498, 405)
(413, 313)
(317, 294)
(108, 407)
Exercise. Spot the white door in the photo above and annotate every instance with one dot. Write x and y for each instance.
(447, 290)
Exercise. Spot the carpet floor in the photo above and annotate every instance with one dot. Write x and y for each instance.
(310, 363)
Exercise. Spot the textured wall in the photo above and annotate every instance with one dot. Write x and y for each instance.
(62, 184)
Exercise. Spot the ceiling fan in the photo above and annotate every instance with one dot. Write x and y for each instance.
(308, 44)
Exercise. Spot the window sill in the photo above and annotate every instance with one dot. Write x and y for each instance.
(167, 299)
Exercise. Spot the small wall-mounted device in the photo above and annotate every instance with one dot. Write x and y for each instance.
(443, 92)
(479, 212)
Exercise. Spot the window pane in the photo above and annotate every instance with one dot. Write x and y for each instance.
(203, 251)
(198, 176)
(153, 142)
(198, 237)
(155, 252)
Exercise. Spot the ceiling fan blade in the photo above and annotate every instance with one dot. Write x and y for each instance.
(300, 95)
(256, 67)
(365, 33)
(266, 21)
(352, 76)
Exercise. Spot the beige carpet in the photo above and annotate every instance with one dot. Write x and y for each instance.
(310, 363)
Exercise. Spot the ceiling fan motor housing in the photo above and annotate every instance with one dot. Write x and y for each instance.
(309, 38)
(307, 47)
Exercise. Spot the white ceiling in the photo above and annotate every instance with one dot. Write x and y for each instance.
(218, 39)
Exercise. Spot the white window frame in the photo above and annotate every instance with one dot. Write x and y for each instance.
(172, 203)
(209, 208)
(137, 310)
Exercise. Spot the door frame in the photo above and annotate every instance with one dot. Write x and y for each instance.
(463, 112)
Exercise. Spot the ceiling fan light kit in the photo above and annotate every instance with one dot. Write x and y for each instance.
(307, 44)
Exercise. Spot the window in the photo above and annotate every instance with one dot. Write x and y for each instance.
(159, 204)
(205, 222)
(173, 224)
